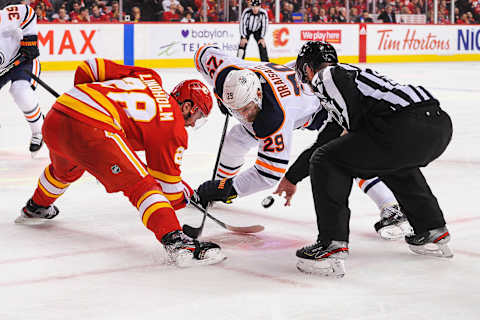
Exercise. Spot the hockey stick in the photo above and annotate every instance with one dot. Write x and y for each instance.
(196, 232)
(192, 231)
(43, 84)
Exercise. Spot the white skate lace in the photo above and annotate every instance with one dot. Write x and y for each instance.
(391, 211)
(37, 139)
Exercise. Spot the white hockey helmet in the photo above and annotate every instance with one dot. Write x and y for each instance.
(240, 88)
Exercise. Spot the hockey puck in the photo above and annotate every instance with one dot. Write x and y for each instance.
(267, 202)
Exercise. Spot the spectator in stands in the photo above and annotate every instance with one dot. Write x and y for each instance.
(168, 3)
(41, 13)
(364, 18)
(136, 14)
(314, 15)
(287, 12)
(353, 14)
(387, 16)
(174, 12)
(341, 17)
(114, 14)
(187, 17)
(75, 11)
(332, 15)
(97, 15)
(62, 16)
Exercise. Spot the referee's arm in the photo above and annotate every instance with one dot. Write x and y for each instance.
(264, 23)
(243, 23)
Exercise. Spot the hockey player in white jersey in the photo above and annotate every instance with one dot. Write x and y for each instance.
(18, 57)
(269, 103)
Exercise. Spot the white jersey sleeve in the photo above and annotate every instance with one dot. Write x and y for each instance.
(16, 21)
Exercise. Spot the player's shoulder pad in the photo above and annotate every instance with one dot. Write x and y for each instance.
(272, 116)
(199, 55)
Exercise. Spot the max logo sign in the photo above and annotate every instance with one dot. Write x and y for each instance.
(75, 45)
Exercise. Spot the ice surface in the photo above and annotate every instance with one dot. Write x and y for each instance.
(97, 261)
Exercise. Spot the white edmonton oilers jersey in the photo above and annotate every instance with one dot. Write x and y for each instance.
(15, 22)
(285, 107)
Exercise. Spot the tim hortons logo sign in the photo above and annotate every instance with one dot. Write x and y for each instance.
(410, 40)
(332, 36)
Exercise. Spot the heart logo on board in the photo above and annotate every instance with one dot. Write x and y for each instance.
(185, 33)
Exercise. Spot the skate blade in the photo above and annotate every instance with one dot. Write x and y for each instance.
(395, 232)
(30, 221)
(434, 250)
(185, 258)
(330, 267)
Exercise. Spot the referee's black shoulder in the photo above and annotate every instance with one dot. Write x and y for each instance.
(263, 11)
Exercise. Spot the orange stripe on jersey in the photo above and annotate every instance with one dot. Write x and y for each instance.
(50, 195)
(86, 68)
(228, 173)
(101, 69)
(269, 166)
(197, 61)
(152, 209)
(85, 109)
(164, 177)
(54, 181)
(146, 194)
(276, 97)
(101, 99)
(33, 116)
(361, 182)
(30, 14)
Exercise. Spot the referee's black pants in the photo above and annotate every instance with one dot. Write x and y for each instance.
(393, 148)
(261, 49)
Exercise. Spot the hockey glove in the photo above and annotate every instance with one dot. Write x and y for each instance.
(216, 190)
(29, 47)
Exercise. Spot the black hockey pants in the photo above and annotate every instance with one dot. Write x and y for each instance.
(412, 138)
(261, 49)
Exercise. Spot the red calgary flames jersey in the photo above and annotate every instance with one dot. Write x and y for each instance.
(130, 101)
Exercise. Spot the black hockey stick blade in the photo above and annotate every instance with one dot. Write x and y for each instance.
(194, 232)
(247, 229)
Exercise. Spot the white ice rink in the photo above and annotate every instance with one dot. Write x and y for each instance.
(96, 260)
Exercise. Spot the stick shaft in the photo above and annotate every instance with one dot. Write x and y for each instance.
(220, 147)
(43, 84)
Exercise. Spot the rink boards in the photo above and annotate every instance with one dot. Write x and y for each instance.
(172, 45)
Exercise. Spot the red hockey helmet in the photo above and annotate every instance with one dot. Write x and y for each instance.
(195, 92)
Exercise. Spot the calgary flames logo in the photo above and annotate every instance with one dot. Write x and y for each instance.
(280, 37)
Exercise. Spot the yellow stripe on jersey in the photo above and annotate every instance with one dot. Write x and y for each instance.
(164, 177)
(174, 196)
(54, 181)
(101, 69)
(152, 209)
(146, 194)
(128, 153)
(102, 100)
(85, 67)
(49, 194)
(85, 109)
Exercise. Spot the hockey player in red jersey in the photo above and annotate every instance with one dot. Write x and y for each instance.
(112, 111)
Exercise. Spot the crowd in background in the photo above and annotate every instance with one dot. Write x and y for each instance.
(317, 11)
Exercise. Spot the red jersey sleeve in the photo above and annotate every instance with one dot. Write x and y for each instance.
(99, 69)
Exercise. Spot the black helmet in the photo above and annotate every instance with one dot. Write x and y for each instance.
(313, 54)
(256, 3)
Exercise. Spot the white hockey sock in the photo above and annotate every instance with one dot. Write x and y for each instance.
(27, 101)
(377, 191)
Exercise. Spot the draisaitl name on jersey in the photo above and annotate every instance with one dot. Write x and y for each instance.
(279, 84)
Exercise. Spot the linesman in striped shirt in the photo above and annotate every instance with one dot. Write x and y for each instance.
(254, 20)
(392, 131)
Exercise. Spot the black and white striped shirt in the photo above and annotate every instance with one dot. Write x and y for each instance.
(250, 23)
(349, 92)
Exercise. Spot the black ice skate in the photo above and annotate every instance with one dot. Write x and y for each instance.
(36, 143)
(393, 224)
(431, 243)
(323, 259)
(185, 251)
(35, 214)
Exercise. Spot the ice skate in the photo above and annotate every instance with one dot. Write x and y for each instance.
(431, 243)
(323, 259)
(393, 224)
(35, 214)
(186, 252)
(36, 143)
